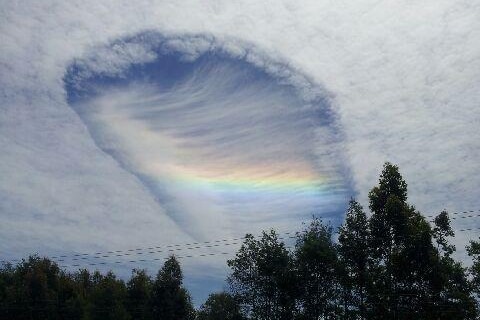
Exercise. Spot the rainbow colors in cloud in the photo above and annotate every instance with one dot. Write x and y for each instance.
(216, 138)
(266, 178)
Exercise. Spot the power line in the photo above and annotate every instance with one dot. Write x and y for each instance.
(140, 251)
(147, 260)
(160, 258)
(149, 252)
(194, 256)
(453, 213)
(205, 244)
(103, 263)
(468, 229)
(169, 251)
(465, 217)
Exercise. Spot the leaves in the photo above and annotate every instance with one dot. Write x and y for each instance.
(220, 306)
(262, 278)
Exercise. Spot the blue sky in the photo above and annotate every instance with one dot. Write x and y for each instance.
(120, 122)
(223, 146)
(215, 138)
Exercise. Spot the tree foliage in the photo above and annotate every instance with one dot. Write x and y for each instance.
(37, 289)
(474, 252)
(392, 264)
(220, 306)
(262, 278)
(316, 269)
(354, 255)
(170, 300)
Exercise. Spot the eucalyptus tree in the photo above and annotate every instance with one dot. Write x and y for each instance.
(317, 269)
(411, 276)
(169, 299)
(354, 254)
(262, 278)
(139, 294)
(220, 306)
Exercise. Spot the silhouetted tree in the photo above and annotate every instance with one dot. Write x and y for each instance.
(139, 293)
(410, 276)
(317, 267)
(71, 303)
(474, 251)
(107, 297)
(34, 294)
(37, 289)
(262, 278)
(170, 300)
(353, 248)
(220, 306)
(441, 232)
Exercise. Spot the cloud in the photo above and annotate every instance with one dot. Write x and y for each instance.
(211, 135)
(402, 77)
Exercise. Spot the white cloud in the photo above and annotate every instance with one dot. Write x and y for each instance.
(219, 141)
(404, 78)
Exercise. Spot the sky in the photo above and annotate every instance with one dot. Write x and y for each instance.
(131, 125)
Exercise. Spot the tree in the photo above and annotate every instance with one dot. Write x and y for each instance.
(7, 283)
(391, 184)
(410, 276)
(474, 251)
(262, 278)
(441, 232)
(71, 303)
(37, 289)
(170, 300)
(35, 284)
(389, 226)
(449, 286)
(139, 292)
(317, 267)
(220, 306)
(107, 297)
(353, 248)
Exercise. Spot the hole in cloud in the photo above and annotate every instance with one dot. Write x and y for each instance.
(219, 134)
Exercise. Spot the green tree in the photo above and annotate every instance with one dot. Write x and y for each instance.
(71, 303)
(34, 291)
(7, 283)
(170, 300)
(317, 268)
(441, 232)
(449, 286)
(107, 297)
(389, 239)
(391, 184)
(411, 277)
(139, 292)
(262, 278)
(220, 306)
(474, 251)
(353, 248)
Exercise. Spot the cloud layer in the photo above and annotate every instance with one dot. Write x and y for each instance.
(212, 136)
(403, 78)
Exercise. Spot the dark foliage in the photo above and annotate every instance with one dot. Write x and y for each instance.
(37, 289)
(392, 264)
(220, 306)
(262, 278)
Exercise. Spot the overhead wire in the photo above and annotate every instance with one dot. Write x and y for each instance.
(207, 244)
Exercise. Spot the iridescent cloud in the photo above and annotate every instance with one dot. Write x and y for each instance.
(214, 136)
